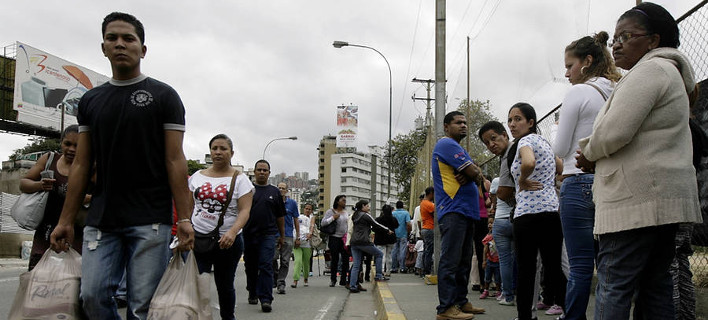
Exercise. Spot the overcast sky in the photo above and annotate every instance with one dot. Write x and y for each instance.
(258, 70)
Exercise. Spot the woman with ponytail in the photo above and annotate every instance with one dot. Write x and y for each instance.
(592, 72)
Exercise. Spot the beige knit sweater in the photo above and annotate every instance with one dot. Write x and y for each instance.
(642, 145)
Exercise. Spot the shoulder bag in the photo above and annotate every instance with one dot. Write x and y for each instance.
(28, 211)
(329, 229)
(205, 242)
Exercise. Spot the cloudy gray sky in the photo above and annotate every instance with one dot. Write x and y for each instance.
(258, 70)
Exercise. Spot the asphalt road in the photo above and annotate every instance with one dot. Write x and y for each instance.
(317, 301)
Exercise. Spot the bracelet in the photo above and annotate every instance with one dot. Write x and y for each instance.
(183, 220)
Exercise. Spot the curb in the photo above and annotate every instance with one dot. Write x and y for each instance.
(13, 263)
(386, 306)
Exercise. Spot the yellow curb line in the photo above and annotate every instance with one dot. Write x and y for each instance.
(386, 306)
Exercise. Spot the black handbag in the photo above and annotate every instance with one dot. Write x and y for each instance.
(206, 242)
(329, 229)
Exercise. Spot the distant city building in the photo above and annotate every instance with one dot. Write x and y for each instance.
(355, 174)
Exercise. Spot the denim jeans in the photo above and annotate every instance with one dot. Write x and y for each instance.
(492, 271)
(139, 250)
(456, 250)
(225, 262)
(258, 261)
(428, 246)
(282, 255)
(399, 254)
(357, 252)
(504, 238)
(635, 264)
(387, 250)
(533, 233)
(577, 212)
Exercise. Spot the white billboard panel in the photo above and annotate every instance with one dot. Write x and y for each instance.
(45, 83)
(347, 126)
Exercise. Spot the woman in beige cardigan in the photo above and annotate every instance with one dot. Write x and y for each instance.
(639, 151)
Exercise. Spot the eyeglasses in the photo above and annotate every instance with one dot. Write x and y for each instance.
(624, 37)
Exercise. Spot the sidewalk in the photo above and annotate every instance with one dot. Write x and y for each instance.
(13, 263)
(416, 300)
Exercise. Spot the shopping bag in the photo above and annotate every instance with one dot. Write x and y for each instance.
(183, 293)
(28, 211)
(51, 289)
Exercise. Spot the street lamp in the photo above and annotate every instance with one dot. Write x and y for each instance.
(339, 44)
(276, 139)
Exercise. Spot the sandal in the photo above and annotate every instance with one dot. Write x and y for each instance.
(294, 285)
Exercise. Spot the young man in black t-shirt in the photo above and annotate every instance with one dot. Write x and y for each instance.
(265, 226)
(131, 128)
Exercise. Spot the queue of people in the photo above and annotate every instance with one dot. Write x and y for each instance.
(618, 152)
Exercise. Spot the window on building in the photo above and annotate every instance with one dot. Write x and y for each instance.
(344, 170)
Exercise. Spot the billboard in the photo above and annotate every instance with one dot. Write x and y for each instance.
(45, 85)
(347, 124)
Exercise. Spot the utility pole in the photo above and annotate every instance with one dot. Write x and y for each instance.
(439, 99)
(428, 125)
(467, 103)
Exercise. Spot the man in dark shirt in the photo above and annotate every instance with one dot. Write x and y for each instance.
(265, 227)
(130, 118)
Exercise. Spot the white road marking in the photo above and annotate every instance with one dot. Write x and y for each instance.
(325, 308)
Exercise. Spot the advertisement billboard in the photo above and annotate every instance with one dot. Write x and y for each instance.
(45, 85)
(347, 124)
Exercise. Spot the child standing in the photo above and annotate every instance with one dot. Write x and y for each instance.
(491, 263)
(419, 248)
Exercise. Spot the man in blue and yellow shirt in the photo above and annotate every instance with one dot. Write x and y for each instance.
(457, 206)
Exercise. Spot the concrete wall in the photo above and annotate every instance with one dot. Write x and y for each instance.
(10, 180)
(11, 244)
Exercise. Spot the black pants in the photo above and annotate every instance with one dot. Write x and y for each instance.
(533, 233)
(480, 231)
(336, 249)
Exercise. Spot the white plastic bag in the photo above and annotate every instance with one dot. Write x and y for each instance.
(183, 293)
(51, 289)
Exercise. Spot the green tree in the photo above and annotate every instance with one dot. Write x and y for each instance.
(194, 166)
(404, 149)
(37, 145)
(479, 114)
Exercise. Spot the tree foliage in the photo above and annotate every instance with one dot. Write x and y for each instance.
(404, 149)
(194, 166)
(41, 144)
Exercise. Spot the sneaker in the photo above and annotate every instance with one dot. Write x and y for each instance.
(281, 289)
(504, 302)
(404, 271)
(500, 296)
(305, 284)
(353, 290)
(252, 300)
(484, 295)
(394, 271)
(266, 307)
(468, 308)
(310, 273)
(554, 310)
(382, 279)
(542, 306)
(454, 313)
(331, 284)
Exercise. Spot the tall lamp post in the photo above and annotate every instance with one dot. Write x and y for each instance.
(339, 44)
(276, 139)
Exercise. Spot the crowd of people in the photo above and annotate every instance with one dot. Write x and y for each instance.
(619, 158)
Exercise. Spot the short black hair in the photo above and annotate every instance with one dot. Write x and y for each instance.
(262, 161)
(429, 190)
(335, 205)
(448, 117)
(399, 204)
(225, 137)
(492, 125)
(74, 128)
(129, 18)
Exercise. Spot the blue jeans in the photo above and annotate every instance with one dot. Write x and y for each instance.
(399, 254)
(139, 250)
(504, 238)
(225, 262)
(357, 252)
(577, 212)
(635, 263)
(428, 246)
(258, 261)
(492, 270)
(456, 251)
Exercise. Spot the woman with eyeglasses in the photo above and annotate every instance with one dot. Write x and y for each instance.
(592, 72)
(644, 182)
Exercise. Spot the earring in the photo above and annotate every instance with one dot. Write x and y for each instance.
(582, 70)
